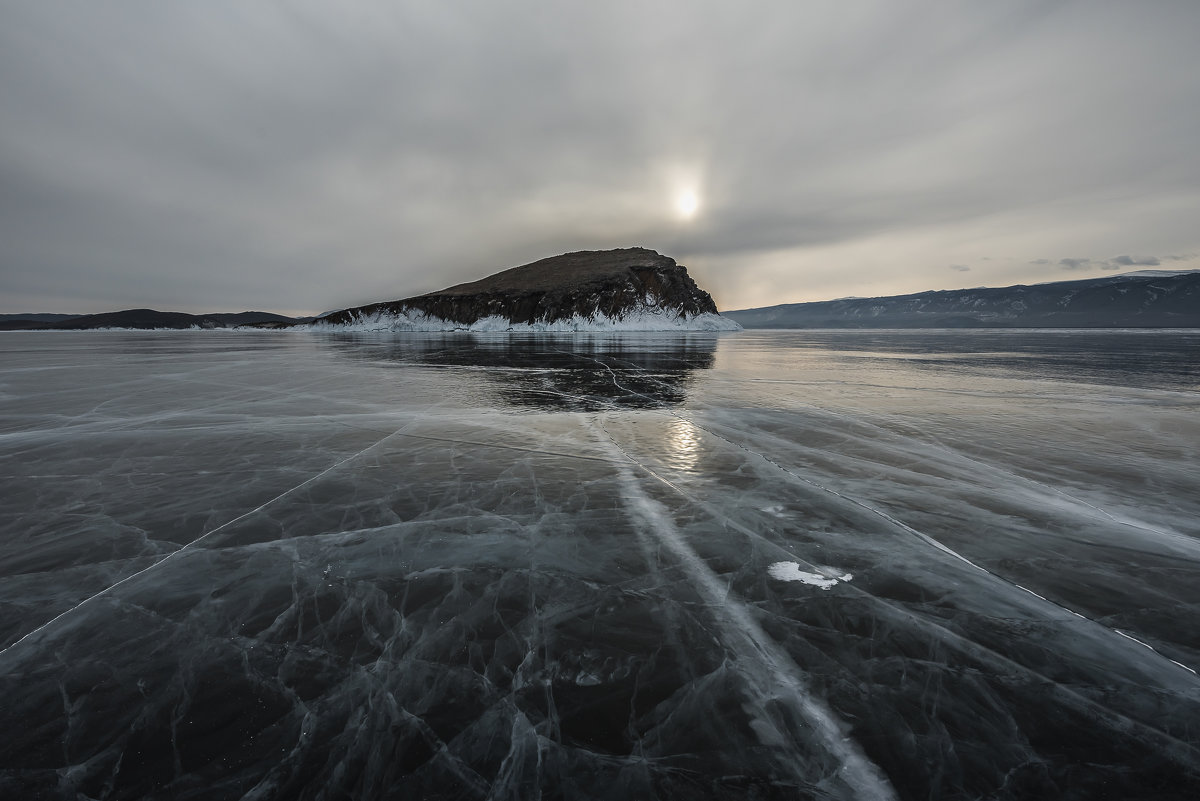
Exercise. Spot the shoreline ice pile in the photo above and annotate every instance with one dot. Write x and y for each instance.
(643, 319)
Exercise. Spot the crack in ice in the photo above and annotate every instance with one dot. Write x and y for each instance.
(863, 778)
(191, 545)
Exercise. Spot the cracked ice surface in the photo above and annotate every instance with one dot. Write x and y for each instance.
(286, 565)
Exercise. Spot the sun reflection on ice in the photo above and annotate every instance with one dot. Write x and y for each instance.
(683, 445)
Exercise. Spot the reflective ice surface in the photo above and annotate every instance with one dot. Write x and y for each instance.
(752, 565)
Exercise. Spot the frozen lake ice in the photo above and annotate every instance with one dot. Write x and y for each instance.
(920, 565)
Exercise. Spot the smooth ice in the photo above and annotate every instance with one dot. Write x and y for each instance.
(845, 565)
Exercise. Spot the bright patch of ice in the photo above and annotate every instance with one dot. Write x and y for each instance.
(790, 571)
(643, 319)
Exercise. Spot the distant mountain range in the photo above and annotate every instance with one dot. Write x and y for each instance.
(1144, 299)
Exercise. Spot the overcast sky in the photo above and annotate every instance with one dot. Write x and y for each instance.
(221, 155)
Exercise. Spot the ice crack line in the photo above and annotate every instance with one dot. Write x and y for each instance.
(924, 537)
(902, 525)
(862, 777)
(1178, 750)
(878, 512)
(914, 532)
(73, 427)
(937, 444)
(611, 372)
(191, 545)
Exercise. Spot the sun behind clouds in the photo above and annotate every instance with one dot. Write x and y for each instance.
(687, 203)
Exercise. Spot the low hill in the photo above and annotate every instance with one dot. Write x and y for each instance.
(146, 319)
(1147, 299)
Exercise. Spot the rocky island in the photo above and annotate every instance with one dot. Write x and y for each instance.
(631, 289)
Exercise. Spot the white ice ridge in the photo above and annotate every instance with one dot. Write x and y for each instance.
(643, 318)
(790, 571)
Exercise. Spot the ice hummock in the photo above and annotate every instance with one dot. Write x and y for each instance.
(644, 318)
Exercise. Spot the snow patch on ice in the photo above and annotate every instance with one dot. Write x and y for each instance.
(790, 571)
(646, 318)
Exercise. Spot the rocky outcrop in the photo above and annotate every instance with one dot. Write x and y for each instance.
(1146, 299)
(630, 289)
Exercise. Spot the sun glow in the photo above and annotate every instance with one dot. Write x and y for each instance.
(687, 204)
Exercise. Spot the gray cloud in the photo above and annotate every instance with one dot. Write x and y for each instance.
(1114, 263)
(1075, 264)
(1130, 261)
(299, 157)
(962, 268)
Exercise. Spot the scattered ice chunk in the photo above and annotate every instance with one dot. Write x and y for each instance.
(644, 317)
(790, 571)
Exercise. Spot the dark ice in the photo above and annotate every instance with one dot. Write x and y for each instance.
(834, 565)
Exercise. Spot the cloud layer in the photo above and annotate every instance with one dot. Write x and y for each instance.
(1120, 262)
(302, 156)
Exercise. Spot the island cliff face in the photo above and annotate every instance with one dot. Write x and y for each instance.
(630, 289)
